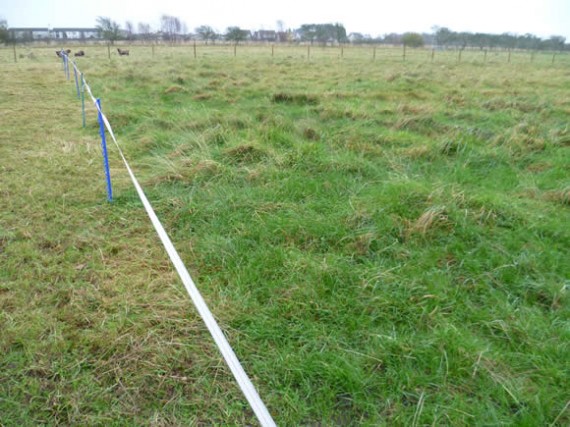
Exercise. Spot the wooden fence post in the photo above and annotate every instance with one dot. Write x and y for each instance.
(109, 50)
(432, 54)
(374, 54)
(195, 49)
(15, 57)
(404, 53)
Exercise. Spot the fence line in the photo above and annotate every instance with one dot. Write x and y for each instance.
(245, 384)
(277, 51)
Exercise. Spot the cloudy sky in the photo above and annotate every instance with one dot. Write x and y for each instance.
(374, 17)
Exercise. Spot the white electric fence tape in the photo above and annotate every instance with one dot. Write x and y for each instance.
(230, 357)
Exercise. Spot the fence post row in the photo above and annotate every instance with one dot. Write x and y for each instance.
(510, 57)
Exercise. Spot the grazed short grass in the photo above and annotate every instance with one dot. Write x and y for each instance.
(383, 243)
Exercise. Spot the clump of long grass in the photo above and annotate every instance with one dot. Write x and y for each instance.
(559, 196)
(523, 138)
(294, 98)
(431, 219)
(244, 153)
(175, 89)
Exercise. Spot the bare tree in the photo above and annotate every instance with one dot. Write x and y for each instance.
(129, 29)
(413, 40)
(205, 32)
(145, 31)
(236, 34)
(4, 34)
(171, 27)
(108, 28)
(556, 42)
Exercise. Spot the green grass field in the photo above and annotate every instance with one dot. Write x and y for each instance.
(383, 242)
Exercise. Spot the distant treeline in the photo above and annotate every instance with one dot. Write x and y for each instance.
(173, 29)
(446, 38)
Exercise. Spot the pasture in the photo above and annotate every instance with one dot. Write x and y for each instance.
(383, 242)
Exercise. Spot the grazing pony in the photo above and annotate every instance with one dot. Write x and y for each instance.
(123, 52)
(79, 53)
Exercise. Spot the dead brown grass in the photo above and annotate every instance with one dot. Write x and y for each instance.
(431, 219)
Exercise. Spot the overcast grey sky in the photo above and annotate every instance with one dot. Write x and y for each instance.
(540, 17)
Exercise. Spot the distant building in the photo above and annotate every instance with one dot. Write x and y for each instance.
(33, 34)
(265, 36)
(76, 33)
(271, 36)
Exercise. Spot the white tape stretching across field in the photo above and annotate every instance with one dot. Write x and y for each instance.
(229, 355)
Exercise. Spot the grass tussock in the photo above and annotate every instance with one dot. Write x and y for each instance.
(433, 218)
(245, 153)
(451, 147)
(419, 152)
(311, 134)
(202, 96)
(294, 98)
(558, 196)
(184, 170)
(523, 138)
(174, 89)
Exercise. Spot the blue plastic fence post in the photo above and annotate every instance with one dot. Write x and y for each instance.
(104, 150)
(83, 99)
(66, 67)
(76, 81)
